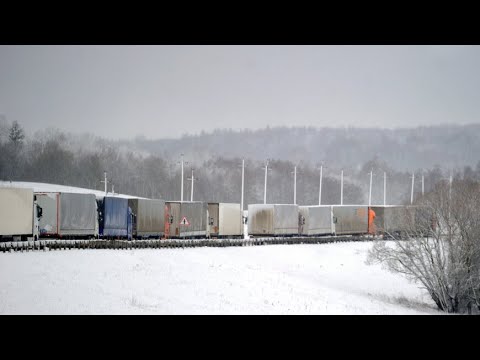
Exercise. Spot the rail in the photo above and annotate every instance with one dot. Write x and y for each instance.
(49, 245)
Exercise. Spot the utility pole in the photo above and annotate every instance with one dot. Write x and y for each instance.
(181, 185)
(265, 190)
(450, 187)
(423, 185)
(341, 190)
(413, 180)
(191, 189)
(181, 196)
(320, 190)
(370, 192)
(243, 177)
(450, 198)
(384, 188)
(295, 185)
(105, 181)
(191, 194)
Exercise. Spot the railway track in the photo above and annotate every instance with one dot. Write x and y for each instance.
(52, 245)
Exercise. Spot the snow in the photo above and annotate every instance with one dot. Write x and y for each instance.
(45, 187)
(276, 279)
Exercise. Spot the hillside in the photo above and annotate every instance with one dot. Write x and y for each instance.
(402, 149)
(151, 168)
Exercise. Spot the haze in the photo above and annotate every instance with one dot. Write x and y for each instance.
(167, 91)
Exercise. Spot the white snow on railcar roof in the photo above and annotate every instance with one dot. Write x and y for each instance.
(44, 187)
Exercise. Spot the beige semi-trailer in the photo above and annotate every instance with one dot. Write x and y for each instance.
(272, 219)
(316, 220)
(19, 214)
(186, 219)
(148, 217)
(224, 220)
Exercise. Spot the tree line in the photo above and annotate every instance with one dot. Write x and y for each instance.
(52, 156)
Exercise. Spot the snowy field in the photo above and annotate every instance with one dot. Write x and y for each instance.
(276, 279)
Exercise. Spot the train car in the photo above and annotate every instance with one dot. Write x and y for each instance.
(272, 219)
(148, 218)
(115, 218)
(186, 219)
(387, 219)
(193, 219)
(19, 214)
(68, 215)
(350, 219)
(393, 220)
(224, 220)
(316, 220)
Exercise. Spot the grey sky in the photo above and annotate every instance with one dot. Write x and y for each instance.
(166, 91)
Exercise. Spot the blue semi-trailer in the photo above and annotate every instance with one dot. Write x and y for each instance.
(114, 218)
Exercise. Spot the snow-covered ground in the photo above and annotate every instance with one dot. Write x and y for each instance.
(276, 279)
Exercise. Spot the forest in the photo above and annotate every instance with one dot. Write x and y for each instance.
(145, 168)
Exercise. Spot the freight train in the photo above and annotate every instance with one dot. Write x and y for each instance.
(318, 220)
(25, 214)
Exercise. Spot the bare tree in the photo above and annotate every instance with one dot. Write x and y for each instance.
(442, 246)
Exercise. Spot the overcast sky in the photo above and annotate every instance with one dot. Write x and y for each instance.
(166, 91)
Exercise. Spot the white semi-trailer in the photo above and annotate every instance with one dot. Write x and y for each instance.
(19, 214)
(67, 215)
(224, 220)
(272, 219)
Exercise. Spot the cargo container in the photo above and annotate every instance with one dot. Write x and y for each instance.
(350, 219)
(392, 220)
(389, 219)
(186, 219)
(148, 217)
(68, 215)
(114, 218)
(224, 220)
(273, 219)
(19, 214)
(316, 220)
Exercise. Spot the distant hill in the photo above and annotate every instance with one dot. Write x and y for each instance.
(402, 149)
(150, 168)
